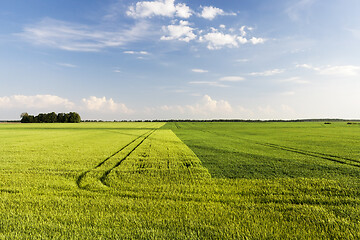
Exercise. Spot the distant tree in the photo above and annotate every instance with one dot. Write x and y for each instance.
(52, 117)
(24, 114)
(61, 118)
(25, 118)
(41, 117)
(74, 117)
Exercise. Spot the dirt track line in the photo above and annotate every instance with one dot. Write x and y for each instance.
(309, 153)
(79, 179)
(333, 158)
(106, 173)
(322, 154)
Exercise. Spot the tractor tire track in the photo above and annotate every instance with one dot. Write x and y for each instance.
(329, 157)
(83, 175)
(106, 173)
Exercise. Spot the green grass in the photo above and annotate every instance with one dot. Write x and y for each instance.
(209, 181)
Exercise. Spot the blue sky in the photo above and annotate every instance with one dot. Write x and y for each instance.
(120, 59)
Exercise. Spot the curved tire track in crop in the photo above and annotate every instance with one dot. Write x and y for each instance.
(83, 175)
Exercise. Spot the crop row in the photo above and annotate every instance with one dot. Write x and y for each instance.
(156, 156)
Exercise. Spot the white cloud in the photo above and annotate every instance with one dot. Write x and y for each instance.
(217, 39)
(67, 65)
(35, 102)
(243, 33)
(181, 32)
(222, 26)
(51, 103)
(78, 37)
(255, 40)
(210, 108)
(4, 101)
(164, 8)
(208, 104)
(210, 12)
(183, 11)
(340, 71)
(232, 79)
(102, 104)
(197, 70)
(207, 107)
(267, 73)
(242, 40)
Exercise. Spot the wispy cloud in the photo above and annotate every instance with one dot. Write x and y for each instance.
(232, 79)
(136, 52)
(243, 60)
(72, 36)
(341, 70)
(67, 65)
(295, 10)
(298, 80)
(78, 37)
(220, 82)
(267, 73)
(209, 83)
(198, 70)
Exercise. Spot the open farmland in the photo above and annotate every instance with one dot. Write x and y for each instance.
(180, 181)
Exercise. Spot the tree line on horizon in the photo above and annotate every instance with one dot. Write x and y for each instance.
(71, 117)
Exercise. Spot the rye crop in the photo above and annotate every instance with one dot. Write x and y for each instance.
(179, 181)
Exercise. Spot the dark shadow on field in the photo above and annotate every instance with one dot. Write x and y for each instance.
(232, 156)
(237, 164)
(337, 159)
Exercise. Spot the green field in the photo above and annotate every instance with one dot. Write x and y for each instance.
(180, 181)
